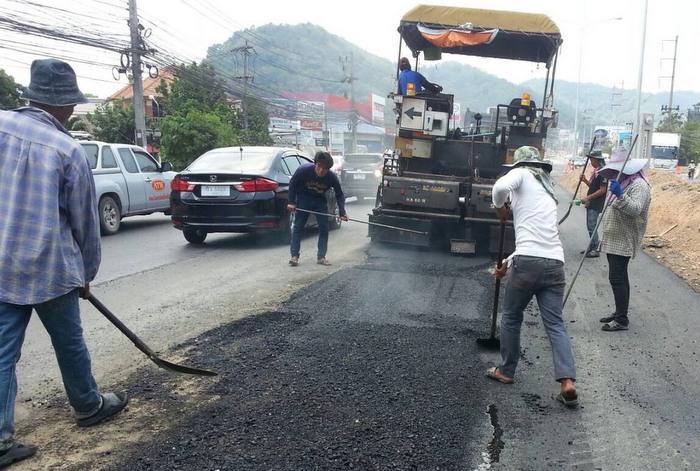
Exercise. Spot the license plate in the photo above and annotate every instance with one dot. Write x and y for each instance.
(218, 190)
(359, 176)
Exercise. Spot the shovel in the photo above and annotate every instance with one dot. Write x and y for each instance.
(142, 346)
(493, 343)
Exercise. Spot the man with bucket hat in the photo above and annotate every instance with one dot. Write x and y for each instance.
(49, 246)
(537, 268)
(623, 223)
(594, 200)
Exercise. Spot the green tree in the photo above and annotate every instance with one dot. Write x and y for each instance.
(113, 122)
(9, 92)
(187, 136)
(690, 142)
(257, 133)
(199, 116)
(672, 122)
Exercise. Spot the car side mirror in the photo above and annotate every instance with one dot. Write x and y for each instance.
(166, 167)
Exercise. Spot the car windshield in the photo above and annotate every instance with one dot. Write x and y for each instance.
(230, 160)
(363, 159)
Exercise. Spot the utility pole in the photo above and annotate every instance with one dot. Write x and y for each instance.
(614, 95)
(348, 63)
(137, 86)
(669, 109)
(246, 51)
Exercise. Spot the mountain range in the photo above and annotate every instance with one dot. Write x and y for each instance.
(307, 58)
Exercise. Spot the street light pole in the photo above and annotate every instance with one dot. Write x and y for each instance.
(578, 89)
(582, 27)
(638, 124)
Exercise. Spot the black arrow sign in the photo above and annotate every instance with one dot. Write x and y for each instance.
(412, 113)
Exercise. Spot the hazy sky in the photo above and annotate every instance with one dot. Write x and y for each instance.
(611, 47)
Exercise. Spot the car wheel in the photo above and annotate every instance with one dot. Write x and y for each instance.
(110, 215)
(335, 221)
(194, 236)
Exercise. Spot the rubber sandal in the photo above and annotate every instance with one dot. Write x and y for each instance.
(494, 374)
(18, 452)
(112, 404)
(613, 326)
(323, 261)
(571, 401)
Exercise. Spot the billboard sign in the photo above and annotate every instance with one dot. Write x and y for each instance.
(283, 124)
(456, 117)
(378, 103)
(312, 124)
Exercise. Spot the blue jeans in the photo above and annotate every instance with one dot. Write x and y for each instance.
(312, 204)
(61, 318)
(543, 278)
(591, 221)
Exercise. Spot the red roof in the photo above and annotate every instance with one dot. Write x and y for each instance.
(149, 85)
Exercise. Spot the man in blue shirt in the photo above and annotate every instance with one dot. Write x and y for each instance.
(49, 246)
(307, 190)
(412, 82)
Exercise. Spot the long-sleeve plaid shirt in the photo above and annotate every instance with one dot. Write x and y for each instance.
(49, 232)
(625, 220)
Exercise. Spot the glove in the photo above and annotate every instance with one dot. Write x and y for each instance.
(615, 188)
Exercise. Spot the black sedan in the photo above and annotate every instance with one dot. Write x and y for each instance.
(238, 189)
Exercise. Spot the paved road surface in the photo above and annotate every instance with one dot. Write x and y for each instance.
(375, 367)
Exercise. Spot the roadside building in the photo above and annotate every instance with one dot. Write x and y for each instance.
(153, 110)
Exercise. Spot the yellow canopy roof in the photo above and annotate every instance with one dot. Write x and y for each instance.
(513, 35)
(487, 19)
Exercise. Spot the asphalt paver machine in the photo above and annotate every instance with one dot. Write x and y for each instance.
(438, 179)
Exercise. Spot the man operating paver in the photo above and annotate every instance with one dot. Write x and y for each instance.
(49, 246)
(537, 268)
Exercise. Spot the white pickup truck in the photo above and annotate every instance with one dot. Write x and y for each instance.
(128, 181)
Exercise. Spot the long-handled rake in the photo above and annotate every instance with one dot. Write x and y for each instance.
(605, 208)
(396, 228)
(583, 172)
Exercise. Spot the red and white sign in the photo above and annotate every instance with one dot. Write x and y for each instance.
(456, 114)
(312, 124)
(378, 103)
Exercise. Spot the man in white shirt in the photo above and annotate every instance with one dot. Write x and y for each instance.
(537, 268)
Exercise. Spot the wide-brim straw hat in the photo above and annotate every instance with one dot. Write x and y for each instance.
(617, 160)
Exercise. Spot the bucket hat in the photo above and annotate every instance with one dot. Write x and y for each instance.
(53, 83)
(528, 155)
(617, 160)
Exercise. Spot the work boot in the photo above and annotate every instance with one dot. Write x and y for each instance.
(112, 404)
(294, 261)
(17, 452)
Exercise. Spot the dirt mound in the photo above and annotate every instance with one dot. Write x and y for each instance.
(673, 231)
